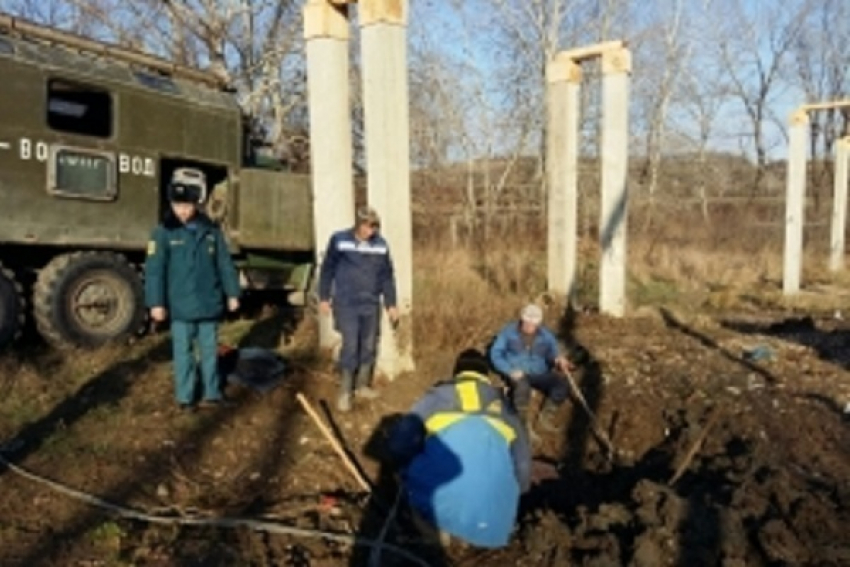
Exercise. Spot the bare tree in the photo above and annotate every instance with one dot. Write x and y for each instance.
(700, 98)
(49, 12)
(821, 53)
(665, 53)
(754, 43)
(521, 37)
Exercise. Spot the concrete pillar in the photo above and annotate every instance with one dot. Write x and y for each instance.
(795, 210)
(326, 31)
(839, 204)
(386, 111)
(616, 71)
(562, 155)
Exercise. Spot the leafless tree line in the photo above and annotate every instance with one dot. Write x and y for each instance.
(711, 77)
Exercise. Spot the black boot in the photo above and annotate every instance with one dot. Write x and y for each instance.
(346, 384)
(364, 379)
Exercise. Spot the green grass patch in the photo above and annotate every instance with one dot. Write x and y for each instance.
(17, 413)
(655, 291)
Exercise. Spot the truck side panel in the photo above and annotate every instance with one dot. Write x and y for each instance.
(119, 169)
(275, 211)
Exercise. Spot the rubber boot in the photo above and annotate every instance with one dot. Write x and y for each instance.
(346, 383)
(362, 387)
(526, 420)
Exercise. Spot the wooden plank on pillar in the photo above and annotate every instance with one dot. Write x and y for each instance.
(383, 11)
(322, 19)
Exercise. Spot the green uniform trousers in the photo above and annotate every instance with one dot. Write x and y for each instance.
(184, 336)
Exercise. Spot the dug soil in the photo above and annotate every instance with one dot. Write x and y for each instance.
(731, 438)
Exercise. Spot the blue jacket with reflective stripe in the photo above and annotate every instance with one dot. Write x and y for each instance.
(357, 272)
(466, 460)
(510, 351)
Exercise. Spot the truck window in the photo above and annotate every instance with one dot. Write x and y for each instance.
(82, 173)
(79, 109)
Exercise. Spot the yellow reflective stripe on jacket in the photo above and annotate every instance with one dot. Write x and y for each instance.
(467, 393)
(506, 430)
(470, 404)
(466, 386)
(474, 375)
(442, 420)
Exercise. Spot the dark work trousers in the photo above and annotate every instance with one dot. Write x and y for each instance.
(551, 385)
(184, 336)
(358, 326)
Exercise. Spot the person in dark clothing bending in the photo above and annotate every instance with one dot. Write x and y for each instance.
(463, 457)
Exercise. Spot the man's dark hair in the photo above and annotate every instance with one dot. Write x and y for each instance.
(471, 360)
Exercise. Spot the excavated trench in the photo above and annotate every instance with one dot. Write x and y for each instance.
(744, 500)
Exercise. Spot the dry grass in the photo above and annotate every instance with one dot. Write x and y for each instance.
(455, 304)
(462, 298)
(464, 293)
(692, 267)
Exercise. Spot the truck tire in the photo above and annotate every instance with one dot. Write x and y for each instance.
(88, 299)
(12, 308)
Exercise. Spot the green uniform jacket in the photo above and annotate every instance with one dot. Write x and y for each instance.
(189, 271)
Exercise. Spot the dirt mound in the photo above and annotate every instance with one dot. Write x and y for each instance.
(768, 484)
(762, 445)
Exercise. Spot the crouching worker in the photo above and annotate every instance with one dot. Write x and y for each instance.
(464, 457)
(190, 277)
(528, 357)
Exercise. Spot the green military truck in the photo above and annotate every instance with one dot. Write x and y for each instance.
(90, 135)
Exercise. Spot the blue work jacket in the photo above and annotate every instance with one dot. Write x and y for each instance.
(357, 272)
(465, 460)
(511, 352)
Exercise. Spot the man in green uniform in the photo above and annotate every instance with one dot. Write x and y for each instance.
(190, 277)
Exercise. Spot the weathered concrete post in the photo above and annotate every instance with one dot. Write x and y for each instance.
(616, 71)
(795, 209)
(562, 131)
(839, 204)
(385, 93)
(326, 30)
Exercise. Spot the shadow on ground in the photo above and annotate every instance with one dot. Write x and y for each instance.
(832, 345)
(193, 435)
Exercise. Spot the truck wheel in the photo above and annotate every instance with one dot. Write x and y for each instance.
(12, 307)
(88, 299)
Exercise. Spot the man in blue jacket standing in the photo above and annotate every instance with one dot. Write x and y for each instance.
(464, 457)
(527, 356)
(357, 272)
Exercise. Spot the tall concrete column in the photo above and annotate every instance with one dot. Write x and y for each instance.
(326, 30)
(383, 37)
(795, 209)
(616, 71)
(562, 155)
(839, 204)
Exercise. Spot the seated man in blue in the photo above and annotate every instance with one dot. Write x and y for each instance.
(464, 457)
(527, 356)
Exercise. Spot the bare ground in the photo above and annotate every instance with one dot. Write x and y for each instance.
(770, 485)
